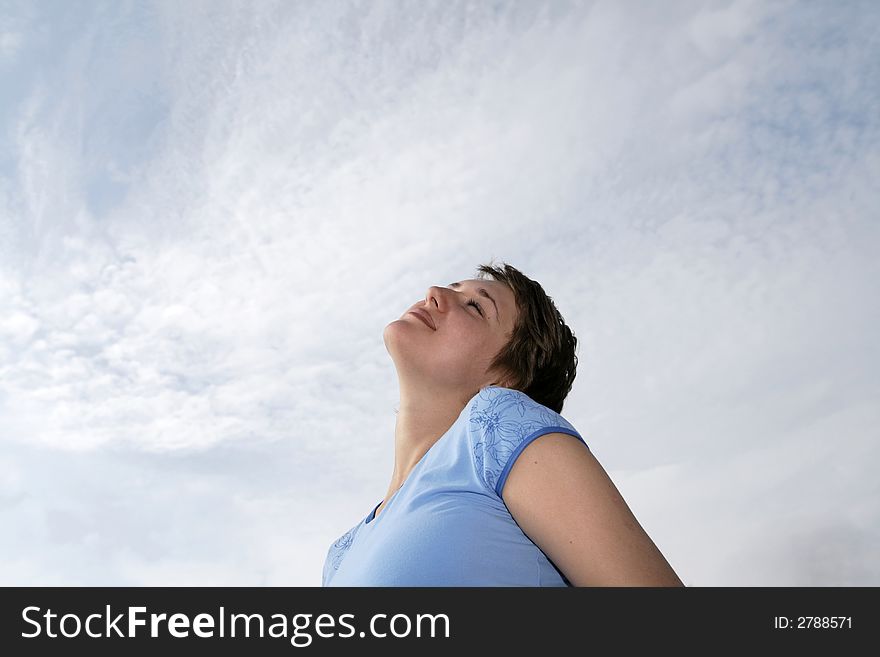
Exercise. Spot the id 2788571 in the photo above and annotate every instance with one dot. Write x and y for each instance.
(812, 622)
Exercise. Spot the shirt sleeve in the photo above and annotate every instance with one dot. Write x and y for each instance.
(503, 422)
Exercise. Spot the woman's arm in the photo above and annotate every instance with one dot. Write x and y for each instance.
(564, 501)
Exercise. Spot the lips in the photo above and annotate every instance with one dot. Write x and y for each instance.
(425, 317)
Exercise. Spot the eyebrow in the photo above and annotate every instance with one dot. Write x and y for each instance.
(483, 293)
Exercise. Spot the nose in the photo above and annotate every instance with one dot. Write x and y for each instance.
(435, 296)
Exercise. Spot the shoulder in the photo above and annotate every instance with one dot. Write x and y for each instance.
(508, 414)
(511, 404)
(502, 423)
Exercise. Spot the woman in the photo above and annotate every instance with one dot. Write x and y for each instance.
(491, 485)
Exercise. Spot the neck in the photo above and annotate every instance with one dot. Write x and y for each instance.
(423, 418)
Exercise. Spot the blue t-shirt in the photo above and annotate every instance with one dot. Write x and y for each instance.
(448, 525)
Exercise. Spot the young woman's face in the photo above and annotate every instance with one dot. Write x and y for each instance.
(464, 340)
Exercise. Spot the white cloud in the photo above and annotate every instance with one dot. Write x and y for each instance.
(10, 43)
(209, 216)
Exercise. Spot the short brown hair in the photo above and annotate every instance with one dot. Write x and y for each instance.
(540, 358)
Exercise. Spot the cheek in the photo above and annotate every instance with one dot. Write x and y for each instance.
(466, 337)
(476, 350)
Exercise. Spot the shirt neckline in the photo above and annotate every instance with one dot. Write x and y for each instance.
(371, 517)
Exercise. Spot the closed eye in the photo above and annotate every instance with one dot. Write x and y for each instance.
(473, 302)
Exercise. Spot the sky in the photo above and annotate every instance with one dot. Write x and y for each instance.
(209, 211)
